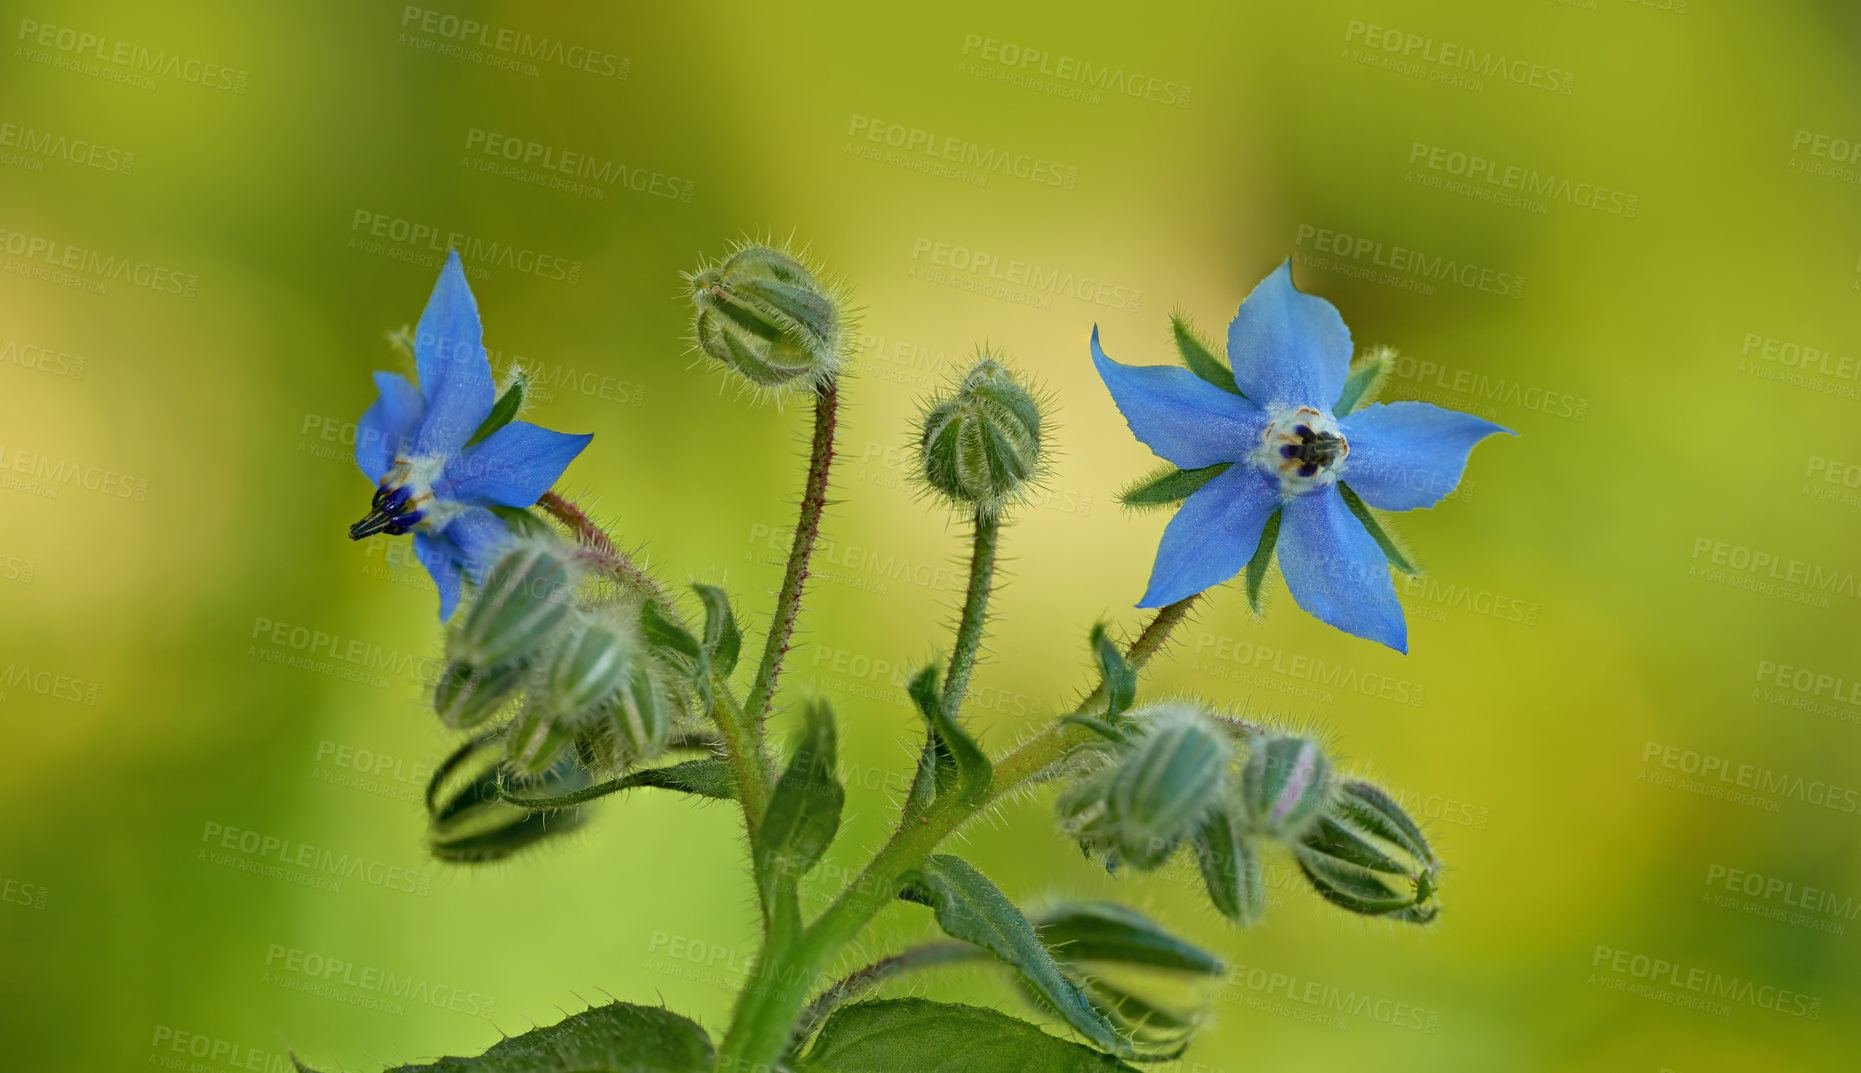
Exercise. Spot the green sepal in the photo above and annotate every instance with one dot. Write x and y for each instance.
(522, 522)
(707, 777)
(1263, 558)
(1097, 726)
(1105, 931)
(1200, 357)
(914, 1035)
(1169, 486)
(680, 648)
(1391, 550)
(468, 822)
(1119, 677)
(1361, 387)
(970, 908)
(723, 641)
(1144, 1021)
(615, 1038)
(504, 411)
(804, 811)
(1230, 868)
(959, 765)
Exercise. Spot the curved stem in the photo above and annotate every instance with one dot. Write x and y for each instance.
(807, 531)
(975, 611)
(601, 548)
(860, 981)
(773, 998)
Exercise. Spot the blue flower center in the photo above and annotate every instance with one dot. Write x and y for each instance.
(394, 511)
(1303, 448)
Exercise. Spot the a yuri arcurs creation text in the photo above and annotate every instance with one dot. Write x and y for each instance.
(574, 674)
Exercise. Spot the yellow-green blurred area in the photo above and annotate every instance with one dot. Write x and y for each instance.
(1629, 231)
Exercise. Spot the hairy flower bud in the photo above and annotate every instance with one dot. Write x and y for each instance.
(1175, 773)
(1286, 783)
(1366, 855)
(589, 666)
(535, 740)
(764, 314)
(466, 696)
(525, 597)
(981, 443)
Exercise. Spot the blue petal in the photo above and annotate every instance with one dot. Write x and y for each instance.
(1186, 420)
(512, 467)
(1335, 570)
(385, 430)
(1288, 348)
(1213, 535)
(455, 374)
(441, 559)
(480, 538)
(1406, 455)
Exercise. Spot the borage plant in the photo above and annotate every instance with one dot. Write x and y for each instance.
(574, 674)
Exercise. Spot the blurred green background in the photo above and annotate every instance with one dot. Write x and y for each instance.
(1632, 680)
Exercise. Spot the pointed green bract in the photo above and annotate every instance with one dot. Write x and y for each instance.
(1391, 550)
(1199, 357)
(505, 410)
(1230, 868)
(1169, 486)
(1105, 931)
(1366, 855)
(1263, 558)
(959, 765)
(615, 1038)
(1361, 387)
(465, 696)
(723, 641)
(804, 810)
(1116, 672)
(970, 908)
(914, 1035)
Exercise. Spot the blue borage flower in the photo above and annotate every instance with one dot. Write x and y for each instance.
(1287, 450)
(417, 444)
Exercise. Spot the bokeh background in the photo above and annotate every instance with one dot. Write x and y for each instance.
(1633, 677)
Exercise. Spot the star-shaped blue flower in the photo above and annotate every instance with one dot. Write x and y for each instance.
(1290, 353)
(412, 443)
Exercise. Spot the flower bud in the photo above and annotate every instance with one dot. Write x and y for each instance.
(535, 740)
(1176, 771)
(1366, 855)
(763, 314)
(1230, 867)
(1286, 783)
(587, 669)
(981, 443)
(639, 719)
(525, 597)
(466, 697)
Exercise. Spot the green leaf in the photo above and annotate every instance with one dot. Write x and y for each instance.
(707, 777)
(1103, 931)
(1119, 676)
(1383, 540)
(615, 1038)
(723, 641)
(914, 1035)
(679, 646)
(804, 810)
(504, 411)
(1169, 486)
(1199, 357)
(1263, 558)
(1363, 384)
(960, 766)
(971, 908)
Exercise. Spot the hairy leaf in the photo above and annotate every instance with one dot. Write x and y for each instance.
(1169, 486)
(913, 1035)
(615, 1038)
(1104, 931)
(804, 810)
(1383, 540)
(723, 641)
(959, 765)
(1200, 357)
(971, 908)
(1119, 676)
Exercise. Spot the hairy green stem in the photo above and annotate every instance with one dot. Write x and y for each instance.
(975, 610)
(601, 547)
(807, 531)
(772, 1000)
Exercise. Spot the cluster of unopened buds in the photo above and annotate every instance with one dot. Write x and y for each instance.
(572, 673)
